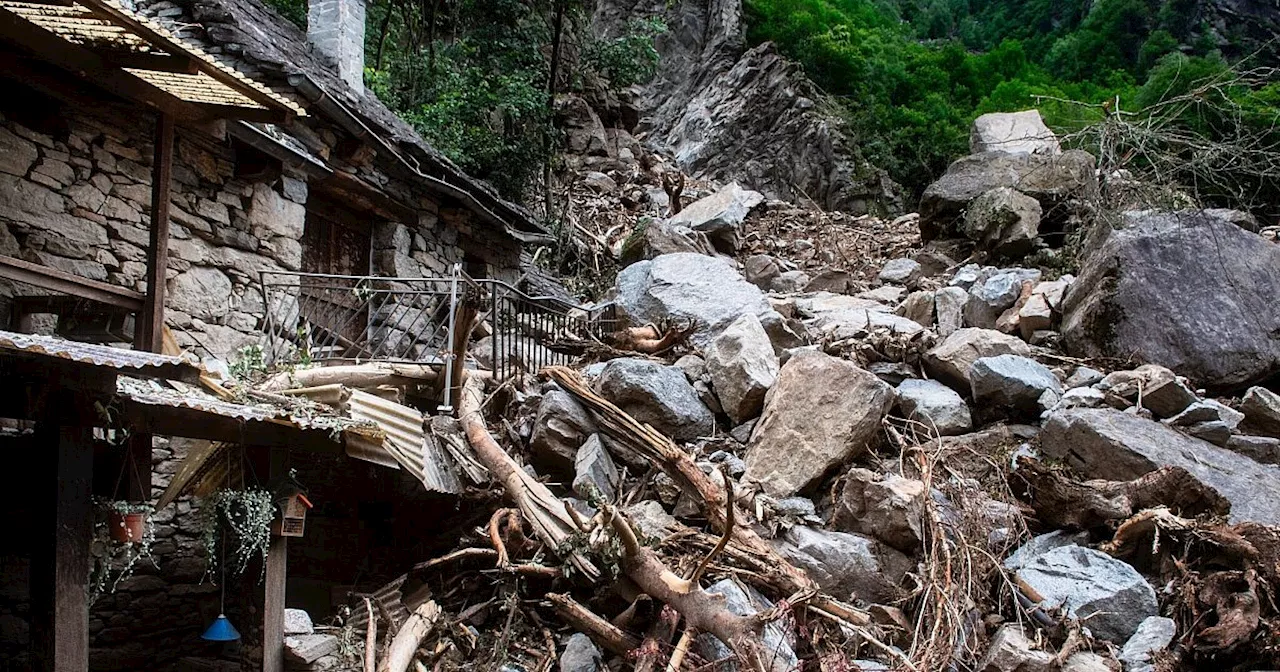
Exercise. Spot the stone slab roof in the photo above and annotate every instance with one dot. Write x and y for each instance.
(257, 41)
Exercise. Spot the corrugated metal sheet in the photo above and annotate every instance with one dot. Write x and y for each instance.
(185, 367)
(154, 394)
(406, 445)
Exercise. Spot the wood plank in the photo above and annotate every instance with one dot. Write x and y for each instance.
(62, 282)
(166, 42)
(60, 559)
(149, 333)
(274, 584)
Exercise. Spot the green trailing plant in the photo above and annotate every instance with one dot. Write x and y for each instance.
(113, 561)
(236, 528)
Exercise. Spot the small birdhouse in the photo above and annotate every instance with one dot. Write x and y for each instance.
(293, 515)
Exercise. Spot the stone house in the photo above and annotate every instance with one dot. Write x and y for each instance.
(275, 159)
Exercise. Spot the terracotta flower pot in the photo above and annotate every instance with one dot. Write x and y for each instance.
(127, 527)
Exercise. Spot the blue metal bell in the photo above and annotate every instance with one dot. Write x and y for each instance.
(221, 630)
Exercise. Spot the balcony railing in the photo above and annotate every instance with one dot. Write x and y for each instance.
(311, 317)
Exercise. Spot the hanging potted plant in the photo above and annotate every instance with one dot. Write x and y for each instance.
(121, 539)
(236, 527)
(127, 521)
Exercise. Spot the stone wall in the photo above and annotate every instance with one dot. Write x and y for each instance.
(79, 200)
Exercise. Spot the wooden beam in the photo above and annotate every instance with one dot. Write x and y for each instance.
(60, 558)
(194, 423)
(262, 115)
(62, 282)
(54, 49)
(149, 332)
(160, 62)
(365, 196)
(167, 42)
(274, 584)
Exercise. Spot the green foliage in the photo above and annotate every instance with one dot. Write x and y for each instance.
(240, 522)
(912, 74)
(472, 76)
(293, 10)
(113, 561)
(629, 58)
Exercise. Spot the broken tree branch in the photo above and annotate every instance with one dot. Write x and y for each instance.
(544, 511)
(584, 620)
(400, 652)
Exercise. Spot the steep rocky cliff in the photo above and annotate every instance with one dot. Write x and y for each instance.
(726, 112)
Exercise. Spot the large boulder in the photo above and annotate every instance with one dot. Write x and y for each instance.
(658, 238)
(1013, 133)
(950, 360)
(560, 428)
(1110, 597)
(688, 287)
(779, 655)
(1004, 221)
(889, 508)
(1112, 444)
(742, 367)
(719, 215)
(1184, 290)
(821, 412)
(1051, 179)
(1261, 408)
(658, 395)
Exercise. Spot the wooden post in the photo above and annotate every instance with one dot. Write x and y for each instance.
(60, 557)
(273, 593)
(149, 325)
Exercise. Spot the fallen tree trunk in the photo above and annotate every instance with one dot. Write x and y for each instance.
(544, 511)
(400, 652)
(361, 376)
(695, 483)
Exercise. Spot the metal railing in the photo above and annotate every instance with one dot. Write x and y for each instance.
(313, 317)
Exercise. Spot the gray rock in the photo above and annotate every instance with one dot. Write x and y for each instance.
(1087, 661)
(560, 428)
(307, 649)
(989, 299)
(1050, 179)
(1011, 651)
(650, 519)
(845, 565)
(1082, 397)
(297, 622)
(1207, 410)
(951, 360)
(1214, 431)
(780, 656)
(893, 373)
(901, 271)
(658, 395)
(1010, 383)
(949, 303)
(1112, 444)
(918, 307)
(1041, 544)
(1083, 376)
(889, 508)
(1013, 133)
(693, 366)
(1004, 221)
(743, 367)
(1265, 449)
(595, 474)
(934, 404)
(890, 295)
(730, 462)
(821, 412)
(837, 316)
(1133, 299)
(1241, 219)
(830, 280)
(742, 433)
(687, 287)
(719, 215)
(1154, 634)
(789, 282)
(1168, 397)
(1107, 595)
(761, 270)
(659, 238)
(581, 655)
(1261, 408)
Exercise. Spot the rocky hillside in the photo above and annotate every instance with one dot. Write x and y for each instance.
(725, 112)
